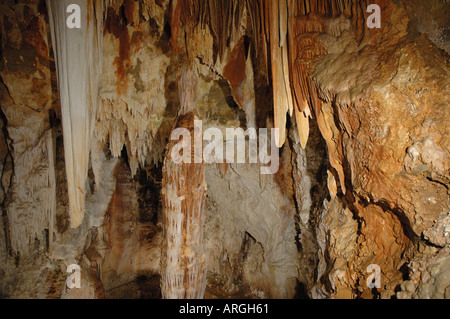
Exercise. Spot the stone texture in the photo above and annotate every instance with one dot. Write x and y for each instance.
(364, 169)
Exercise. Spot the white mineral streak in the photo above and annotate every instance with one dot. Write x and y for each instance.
(78, 63)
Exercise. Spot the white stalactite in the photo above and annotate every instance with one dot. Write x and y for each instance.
(78, 62)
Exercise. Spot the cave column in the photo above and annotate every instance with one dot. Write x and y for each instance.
(183, 260)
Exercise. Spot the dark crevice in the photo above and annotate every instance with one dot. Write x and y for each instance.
(297, 205)
(441, 183)
(6, 191)
(300, 291)
(149, 191)
(124, 156)
(375, 293)
(325, 278)
(404, 269)
(317, 164)
(429, 243)
(247, 242)
(149, 287)
(349, 201)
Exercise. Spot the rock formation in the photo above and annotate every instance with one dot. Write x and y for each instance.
(92, 94)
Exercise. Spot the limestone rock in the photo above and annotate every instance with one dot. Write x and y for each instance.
(86, 123)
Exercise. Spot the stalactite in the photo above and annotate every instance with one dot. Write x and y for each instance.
(290, 28)
(285, 31)
(183, 261)
(235, 72)
(175, 23)
(223, 17)
(187, 85)
(302, 126)
(133, 95)
(332, 185)
(282, 99)
(78, 62)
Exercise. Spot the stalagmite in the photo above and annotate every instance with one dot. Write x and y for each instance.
(183, 260)
(302, 126)
(77, 54)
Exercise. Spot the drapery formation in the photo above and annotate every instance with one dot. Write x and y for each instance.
(78, 53)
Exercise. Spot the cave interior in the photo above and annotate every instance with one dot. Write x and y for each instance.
(224, 149)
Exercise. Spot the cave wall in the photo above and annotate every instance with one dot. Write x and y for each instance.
(364, 150)
(393, 134)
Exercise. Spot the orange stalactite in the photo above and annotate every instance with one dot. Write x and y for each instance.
(288, 29)
(286, 35)
(78, 63)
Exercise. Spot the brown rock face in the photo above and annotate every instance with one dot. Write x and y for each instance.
(359, 206)
(394, 152)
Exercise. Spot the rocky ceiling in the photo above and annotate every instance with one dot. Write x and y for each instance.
(358, 113)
